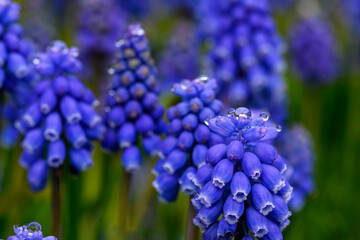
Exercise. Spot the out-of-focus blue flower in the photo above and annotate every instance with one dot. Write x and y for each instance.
(133, 108)
(351, 12)
(136, 8)
(100, 24)
(245, 54)
(180, 58)
(62, 113)
(13, 49)
(313, 51)
(296, 146)
(39, 24)
(32, 231)
(188, 5)
(184, 149)
(280, 4)
(244, 178)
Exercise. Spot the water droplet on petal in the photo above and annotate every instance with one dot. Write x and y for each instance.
(33, 227)
(278, 128)
(264, 116)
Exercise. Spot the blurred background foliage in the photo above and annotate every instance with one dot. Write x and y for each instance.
(91, 201)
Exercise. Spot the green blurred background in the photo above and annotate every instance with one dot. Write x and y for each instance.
(91, 201)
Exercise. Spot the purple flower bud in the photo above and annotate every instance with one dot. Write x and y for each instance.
(47, 101)
(169, 196)
(235, 151)
(211, 232)
(186, 181)
(262, 199)
(175, 161)
(145, 124)
(27, 159)
(196, 105)
(265, 152)
(116, 117)
(225, 230)
(256, 222)
(89, 116)
(281, 211)
(69, 110)
(271, 178)
(274, 232)
(37, 175)
(206, 113)
(280, 164)
(75, 135)
(150, 100)
(32, 115)
(222, 173)
(203, 175)
(96, 133)
(286, 192)
(182, 109)
(210, 194)
(216, 153)
(190, 122)
(165, 182)
(60, 85)
(208, 215)
(232, 210)
(216, 105)
(167, 145)
(56, 153)
(133, 109)
(151, 144)
(76, 88)
(199, 155)
(158, 111)
(33, 140)
(186, 141)
(131, 158)
(138, 90)
(127, 135)
(80, 159)
(240, 187)
(251, 165)
(222, 125)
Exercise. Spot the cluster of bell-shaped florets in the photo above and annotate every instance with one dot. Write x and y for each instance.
(32, 231)
(132, 105)
(13, 49)
(100, 24)
(351, 13)
(184, 150)
(296, 146)
(245, 54)
(62, 120)
(242, 182)
(314, 52)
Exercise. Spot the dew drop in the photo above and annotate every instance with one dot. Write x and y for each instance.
(264, 116)
(278, 128)
(34, 227)
(36, 61)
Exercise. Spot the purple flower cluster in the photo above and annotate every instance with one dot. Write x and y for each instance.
(313, 50)
(351, 12)
(296, 146)
(136, 8)
(245, 54)
(180, 58)
(242, 181)
(32, 231)
(61, 115)
(13, 49)
(100, 24)
(183, 151)
(133, 108)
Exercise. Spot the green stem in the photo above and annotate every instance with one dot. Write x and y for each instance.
(56, 202)
(124, 200)
(192, 232)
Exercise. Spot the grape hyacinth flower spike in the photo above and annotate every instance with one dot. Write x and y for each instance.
(314, 53)
(132, 106)
(182, 152)
(300, 156)
(245, 54)
(60, 123)
(246, 186)
(31, 231)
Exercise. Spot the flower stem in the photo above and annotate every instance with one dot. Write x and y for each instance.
(192, 232)
(56, 202)
(124, 200)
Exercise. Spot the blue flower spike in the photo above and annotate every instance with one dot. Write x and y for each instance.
(241, 177)
(31, 231)
(60, 113)
(189, 138)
